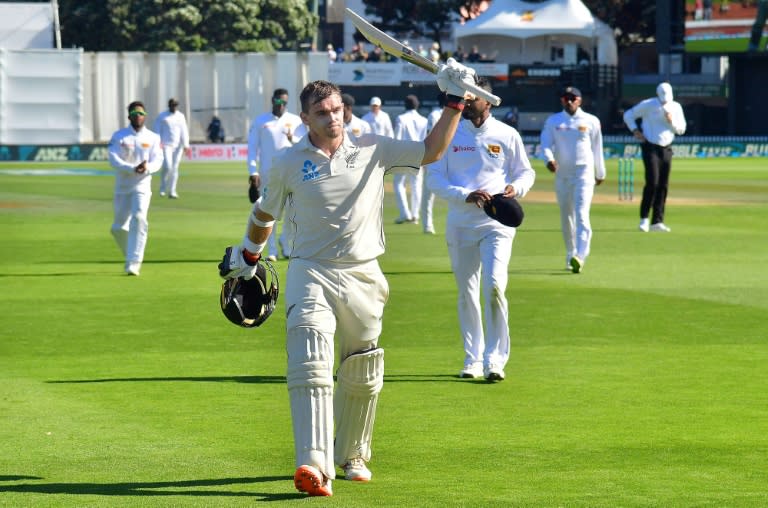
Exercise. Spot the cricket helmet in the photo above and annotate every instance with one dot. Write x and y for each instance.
(250, 302)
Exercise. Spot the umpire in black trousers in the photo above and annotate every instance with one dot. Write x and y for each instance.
(661, 120)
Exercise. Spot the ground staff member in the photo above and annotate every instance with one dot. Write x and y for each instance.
(271, 132)
(572, 147)
(486, 157)
(135, 153)
(334, 286)
(171, 125)
(662, 119)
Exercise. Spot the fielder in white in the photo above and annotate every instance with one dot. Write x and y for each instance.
(271, 132)
(135, 154)
(172, 127)
(379, 119)
(486, 157)
(410, 126)
(334, 285)
(572, 147)
(427, 196)
(354, 126)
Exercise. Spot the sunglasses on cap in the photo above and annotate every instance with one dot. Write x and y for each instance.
(136, 112)
(279, 102)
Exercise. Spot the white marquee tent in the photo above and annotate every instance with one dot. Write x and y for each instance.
(551, 32)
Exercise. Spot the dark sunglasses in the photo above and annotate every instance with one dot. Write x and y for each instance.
(570, 98)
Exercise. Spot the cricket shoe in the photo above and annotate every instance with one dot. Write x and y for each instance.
(493, 373)
(404, 220)
(272, 258)
(471, 371)
(356, 470)
(576, 264)
(660, 226)
(644, 225)
(132, 269)
(310, 480)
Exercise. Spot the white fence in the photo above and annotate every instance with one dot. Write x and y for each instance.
(69, 96)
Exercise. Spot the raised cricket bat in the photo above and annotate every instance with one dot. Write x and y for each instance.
(397, 49)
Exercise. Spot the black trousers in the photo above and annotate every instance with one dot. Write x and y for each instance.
(658, 164)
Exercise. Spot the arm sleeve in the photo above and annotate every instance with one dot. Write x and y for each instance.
(438, 182)
(184, 132)
(155, 159)
(597, 151)
(253, 149)
(547, 142)
(115, 156)
(521, 174)
(630, 117)
(678, 120)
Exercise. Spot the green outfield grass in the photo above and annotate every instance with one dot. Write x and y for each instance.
(640, 382)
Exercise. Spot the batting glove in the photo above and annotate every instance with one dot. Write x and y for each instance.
(234, 264)
(452, 77)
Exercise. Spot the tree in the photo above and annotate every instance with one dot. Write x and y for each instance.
(186, 25)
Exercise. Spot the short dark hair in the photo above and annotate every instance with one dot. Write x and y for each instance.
(484, 83)
(279, 91)
(134, 105)
(315, 92)
(347, 99)
(411, 102)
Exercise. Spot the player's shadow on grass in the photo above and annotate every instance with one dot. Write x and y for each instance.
(170, 488)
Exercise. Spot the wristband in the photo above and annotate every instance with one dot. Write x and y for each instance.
(454, 102)
(250, 258)
(251, 246)
(261, 223)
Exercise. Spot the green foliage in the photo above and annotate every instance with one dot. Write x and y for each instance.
(186, 25)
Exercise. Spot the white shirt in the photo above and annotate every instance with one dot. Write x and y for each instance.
(267, 136)
(655, 127)
(337, 203)
(380, 123)
(357, 127)
(576, 142)
(172, 128)
(486, 158)
(411, 125)
(432, 118)
(127, 149)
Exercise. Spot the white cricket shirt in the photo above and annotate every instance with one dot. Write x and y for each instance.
(655, 127)
(486, 158)
(357, 127)
(337, 203)
(172, 128)
(576, 142)
(380, 123)
(127, 149)
(267, 136)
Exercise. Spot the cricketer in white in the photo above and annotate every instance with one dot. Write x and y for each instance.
(572, 148)
(334, 286)
(171, 125)
(486, 157)
(135, 153)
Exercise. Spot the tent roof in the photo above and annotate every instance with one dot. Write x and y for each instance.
(515, 18)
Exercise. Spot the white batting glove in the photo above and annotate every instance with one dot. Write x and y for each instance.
(234, 265)
(452, 77)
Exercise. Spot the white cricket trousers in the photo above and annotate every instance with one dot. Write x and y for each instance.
(170, 175)
(324, 300)
(408, 212)
(574, 192)
(130, 226)
(480, 259)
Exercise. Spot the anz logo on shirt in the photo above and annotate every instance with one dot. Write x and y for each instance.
(310, 171)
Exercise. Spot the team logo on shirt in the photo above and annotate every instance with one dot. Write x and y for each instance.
(309, 170)
(493, 151)
(583, 128)
(351, 158)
